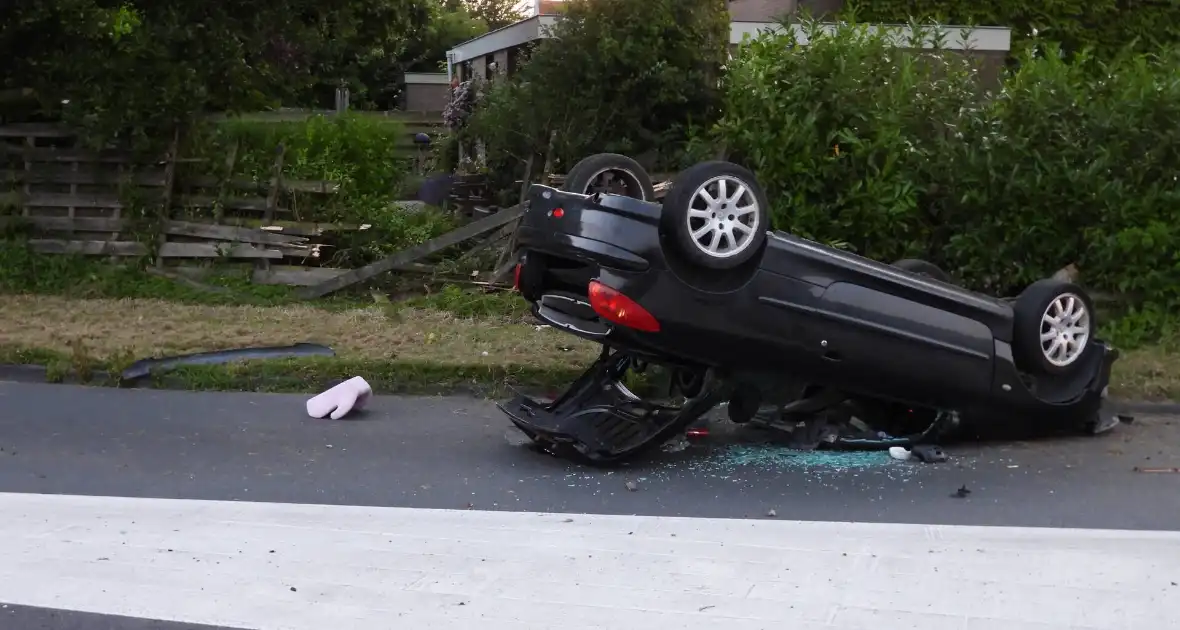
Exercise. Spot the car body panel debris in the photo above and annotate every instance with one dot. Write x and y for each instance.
(146, 367)
(700, 287)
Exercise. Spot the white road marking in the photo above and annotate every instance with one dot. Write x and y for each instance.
(272, 566)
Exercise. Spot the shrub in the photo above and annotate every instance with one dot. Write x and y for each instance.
(362, 153)
(1077, 163)
(848, 133)
(1106, 27)
(892, 154)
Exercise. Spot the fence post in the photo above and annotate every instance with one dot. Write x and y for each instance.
(231, 161)
(272, 197)
(166, 202)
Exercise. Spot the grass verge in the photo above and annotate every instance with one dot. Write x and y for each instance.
(398, 348)
(404, 349)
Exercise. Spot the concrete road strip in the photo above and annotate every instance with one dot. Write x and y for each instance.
(296, 567)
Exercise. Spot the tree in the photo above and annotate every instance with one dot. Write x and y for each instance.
(618, 75)
(495, 13)
(143, 67)
(451, 24)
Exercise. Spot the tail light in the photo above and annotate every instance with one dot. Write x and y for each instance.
(620, 309)
(516, 277)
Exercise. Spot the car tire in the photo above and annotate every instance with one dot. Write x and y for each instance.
(1037, 337)
(612, 173)
(693, 213)
(923, 268)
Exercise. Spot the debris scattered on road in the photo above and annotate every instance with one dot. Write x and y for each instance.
(337, 402)
(516, 437)
(771, 513)
(1156, 470)
(773, 457)
(929, 453)
(676, 444)
(631, 486)
(961, 493)
(899, 453)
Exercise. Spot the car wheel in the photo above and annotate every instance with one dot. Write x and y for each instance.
(923, 268)
(688, 382)
(717, 214)
(1054, 326)
(609, 173)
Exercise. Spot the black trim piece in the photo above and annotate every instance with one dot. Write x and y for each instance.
(887, 330)
(588, 329)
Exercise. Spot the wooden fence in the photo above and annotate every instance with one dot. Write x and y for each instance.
(104, 204)
(93, 203)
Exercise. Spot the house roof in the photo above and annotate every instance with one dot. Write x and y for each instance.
(987, 38)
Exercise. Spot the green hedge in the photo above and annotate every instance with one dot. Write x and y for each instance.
(896, 154)
(1105, 26)
(365, 154)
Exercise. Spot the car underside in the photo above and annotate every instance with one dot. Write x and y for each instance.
(779, 330)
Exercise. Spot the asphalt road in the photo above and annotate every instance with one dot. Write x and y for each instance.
(453, 453)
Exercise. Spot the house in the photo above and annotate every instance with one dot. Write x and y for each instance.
(499, 50)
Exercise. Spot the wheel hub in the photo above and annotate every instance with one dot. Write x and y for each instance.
(723, 217)
(1065, 330)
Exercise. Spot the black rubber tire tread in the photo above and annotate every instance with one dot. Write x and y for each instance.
(1028, 308)
(679, 199)
(584, 172)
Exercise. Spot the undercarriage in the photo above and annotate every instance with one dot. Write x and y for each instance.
(599, 420)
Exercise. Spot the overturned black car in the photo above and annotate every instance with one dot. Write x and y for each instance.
(751, 318)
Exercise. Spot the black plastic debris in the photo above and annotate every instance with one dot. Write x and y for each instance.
(961, 493)
(929, 453)
(846, 426)
(146, 367)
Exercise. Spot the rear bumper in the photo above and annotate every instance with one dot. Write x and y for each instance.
(581, 248)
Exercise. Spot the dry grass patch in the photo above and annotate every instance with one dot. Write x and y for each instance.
(113, 330)
(1147, 374)
(107, 329)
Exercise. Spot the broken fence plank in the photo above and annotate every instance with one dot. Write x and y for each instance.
(35, 130)
(88, 248)
(240, 203)
(413, 254)
(42, 154)
(68, 224)
(66, 200)
(310, 276)
(500, 273)
(289, 185)
(293, 228)
(175, 228)
(167, 250)
(231, 233)
(216, 250)
(295, 276)
(90, 177)
(185, 280)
